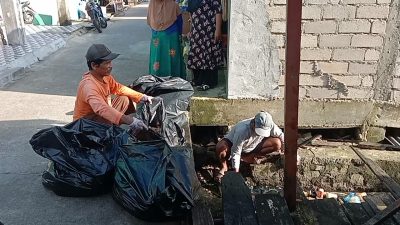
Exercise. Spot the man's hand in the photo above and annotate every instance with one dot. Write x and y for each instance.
(147, 99)
(137, 125)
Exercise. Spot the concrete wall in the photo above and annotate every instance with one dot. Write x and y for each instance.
(349, 49)
(47, 7)
(253, 59)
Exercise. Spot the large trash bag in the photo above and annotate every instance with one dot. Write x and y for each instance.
(169, 111)
(155, 182)
(83, 156)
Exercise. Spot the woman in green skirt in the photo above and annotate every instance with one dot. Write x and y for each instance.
(166, 57)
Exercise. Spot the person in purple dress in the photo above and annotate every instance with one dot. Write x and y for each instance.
(205, 55)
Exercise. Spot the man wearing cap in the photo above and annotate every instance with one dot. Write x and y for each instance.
(248, 140)
(93, 98)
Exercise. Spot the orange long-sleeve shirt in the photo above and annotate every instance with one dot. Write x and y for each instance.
(94, 96)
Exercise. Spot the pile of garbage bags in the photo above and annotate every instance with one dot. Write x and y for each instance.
(150, 174)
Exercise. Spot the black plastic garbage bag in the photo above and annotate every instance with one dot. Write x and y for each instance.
(155, 182)
(83, 156)
(171, 114)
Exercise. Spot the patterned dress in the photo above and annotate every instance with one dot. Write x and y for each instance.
(205, 53)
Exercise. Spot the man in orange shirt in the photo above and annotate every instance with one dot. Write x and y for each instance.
(93, 98)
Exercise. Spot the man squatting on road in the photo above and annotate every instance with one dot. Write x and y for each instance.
(249, 140)
(93, 98)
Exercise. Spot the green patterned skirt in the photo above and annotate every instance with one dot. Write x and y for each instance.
(166, 57)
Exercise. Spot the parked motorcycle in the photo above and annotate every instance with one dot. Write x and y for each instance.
(95, 13)
(28, 13)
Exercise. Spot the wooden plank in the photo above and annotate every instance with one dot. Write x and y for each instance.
(383, 215)
(329, 212)
(356, 213)
(390, 184)
(377, 146)
(377, 206)
(388, 199)
(271, 209)
(237, 202)
(201, 215)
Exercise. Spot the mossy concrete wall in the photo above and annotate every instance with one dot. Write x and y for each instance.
(312, 113)
(334, 169)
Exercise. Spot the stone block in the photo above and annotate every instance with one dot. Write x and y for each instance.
(396, 83)
(372, 55)
(356, 2)
(349, 81)
(320, 27)
(355, 26)
(339, 12)
(362, 68)
(279, 2)
(367, 81)
(309, 41)
(334, 67)
(334, 40)
(277, 12)
(279, 40)
(310, 80)
(364, 40)
(319, 92)
(375, 134)
(316, 54)
(306, 67)
(348, 54)
(316, 2)
(378, 27)
(384, 1)
(311, 13)
(358, 93)
(372, 12)
(357, 179)
(278, 27)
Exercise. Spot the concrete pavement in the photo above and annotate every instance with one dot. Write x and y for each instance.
(43, 97)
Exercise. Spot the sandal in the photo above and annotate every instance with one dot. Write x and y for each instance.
(203, 87)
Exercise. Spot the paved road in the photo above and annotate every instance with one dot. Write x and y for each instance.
(45, 97)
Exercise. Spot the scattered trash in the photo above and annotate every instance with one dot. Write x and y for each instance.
(331, 195)
(352, 197)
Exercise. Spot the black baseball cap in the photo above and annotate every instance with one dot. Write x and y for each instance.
(99, 51)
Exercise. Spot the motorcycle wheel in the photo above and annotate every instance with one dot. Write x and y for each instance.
(28, 17)
(103, 22)
(96, 23)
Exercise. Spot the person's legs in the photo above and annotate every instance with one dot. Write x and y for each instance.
(223, 151)
(211, 78)
(121, 103)
(124, 105)
(267, 146)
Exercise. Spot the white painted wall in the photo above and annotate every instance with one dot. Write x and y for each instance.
(47, 7)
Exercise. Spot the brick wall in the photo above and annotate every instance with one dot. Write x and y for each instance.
(342, 42)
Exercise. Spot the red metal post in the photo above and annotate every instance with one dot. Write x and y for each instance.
(293, 41)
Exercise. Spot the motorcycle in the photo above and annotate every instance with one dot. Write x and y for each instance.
(28, 13)
(95, 13)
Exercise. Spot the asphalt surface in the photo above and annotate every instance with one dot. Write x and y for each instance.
(45, 97)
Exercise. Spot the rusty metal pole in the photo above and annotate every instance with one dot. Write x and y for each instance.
(293, 40)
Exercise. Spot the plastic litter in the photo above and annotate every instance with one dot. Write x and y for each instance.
(352, 197)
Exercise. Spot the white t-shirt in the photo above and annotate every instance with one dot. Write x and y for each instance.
(244, 139)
